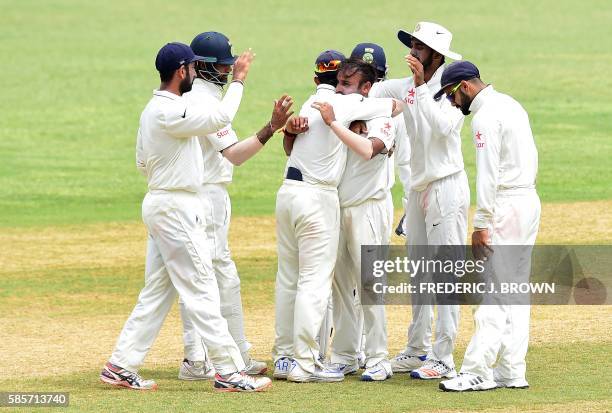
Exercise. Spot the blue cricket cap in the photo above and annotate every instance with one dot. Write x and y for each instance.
(455, 73)
(329, 61)
(371, 53)
(174, 55)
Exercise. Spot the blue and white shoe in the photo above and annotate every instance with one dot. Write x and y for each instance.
(345, 369)
(120, 377)
(241, 382)
(378, 372)
(282, 367)
(320, 375)
(405, 363)
(433, 369)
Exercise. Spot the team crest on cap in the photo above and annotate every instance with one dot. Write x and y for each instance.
(368, 58)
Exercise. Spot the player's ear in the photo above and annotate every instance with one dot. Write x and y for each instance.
(316, 80)
(365, 88)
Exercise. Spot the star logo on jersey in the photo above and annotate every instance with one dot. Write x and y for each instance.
(479, 140)
(386, 129)
(410, 98)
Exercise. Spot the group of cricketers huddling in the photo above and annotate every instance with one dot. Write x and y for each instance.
(343, 150)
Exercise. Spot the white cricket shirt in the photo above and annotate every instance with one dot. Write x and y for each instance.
(433, 128)
(167, 150)
(318, 153)
(217, 169)
(506, 155)
(370, 179)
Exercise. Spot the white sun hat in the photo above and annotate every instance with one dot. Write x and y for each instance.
(433, 35)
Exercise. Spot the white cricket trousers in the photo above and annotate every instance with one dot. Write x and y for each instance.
(307, 227)
(217, 202)
(502, 331)
(368, 223)
(178, 260)
(436, 216)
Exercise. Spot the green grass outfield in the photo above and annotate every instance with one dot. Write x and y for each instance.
(78, 73)
(555, 389)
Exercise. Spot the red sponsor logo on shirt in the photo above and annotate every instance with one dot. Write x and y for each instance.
(386, 129)
(410, 98)
(479, 140)
(222, 133)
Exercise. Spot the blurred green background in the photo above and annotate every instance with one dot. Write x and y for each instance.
(77, 74)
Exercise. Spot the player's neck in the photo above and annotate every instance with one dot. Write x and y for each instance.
(171, 87)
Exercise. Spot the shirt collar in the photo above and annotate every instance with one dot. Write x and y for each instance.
(207, 87)
(323, 87)
(166, 94)
(480, 98)
(437, 77)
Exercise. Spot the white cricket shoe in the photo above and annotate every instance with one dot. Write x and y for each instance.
(467, 382)
(345, 369)
(520, 383)
(196, 370)
(120, 377)
(254, 367)
(405, 363)
(241, 382)
(282, 367)
(320, 375)
(433, 369)
(378, 372)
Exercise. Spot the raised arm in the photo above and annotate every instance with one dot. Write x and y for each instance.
(442, 118)
(242, 151)
(200, 120)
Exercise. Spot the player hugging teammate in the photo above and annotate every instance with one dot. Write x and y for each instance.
(343, 149)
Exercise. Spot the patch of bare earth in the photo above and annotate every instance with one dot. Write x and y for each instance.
(38, 339)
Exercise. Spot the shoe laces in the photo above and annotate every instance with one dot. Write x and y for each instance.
(437, 365)
(403, 356)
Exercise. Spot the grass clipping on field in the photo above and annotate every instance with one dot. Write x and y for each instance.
(40, 341)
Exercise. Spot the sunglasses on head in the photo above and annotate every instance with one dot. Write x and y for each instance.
(330, 66)
(451, 96)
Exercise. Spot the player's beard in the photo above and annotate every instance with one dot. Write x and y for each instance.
(426, 63)
(186, 84)
(466, 102)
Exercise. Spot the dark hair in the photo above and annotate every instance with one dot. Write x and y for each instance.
(354, 65)
(166, 76)
(328, 78)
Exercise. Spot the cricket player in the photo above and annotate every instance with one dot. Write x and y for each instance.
(438, 199)
(366, 217)
(178, 250)
(308, 224)
(507, 213)
(221, 150)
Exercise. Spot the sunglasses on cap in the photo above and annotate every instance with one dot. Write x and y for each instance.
(451, 95)
(330, 66)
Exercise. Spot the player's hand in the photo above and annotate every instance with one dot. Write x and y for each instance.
(242, 65)
(297, 125)
(481, 244)
(417, 69)
(359, 127)
(327, 111)
(397, 107)
(281, 112)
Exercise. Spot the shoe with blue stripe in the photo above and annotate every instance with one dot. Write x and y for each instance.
(241, 382)
(282, 367)
(345, 369)
(378, 372)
